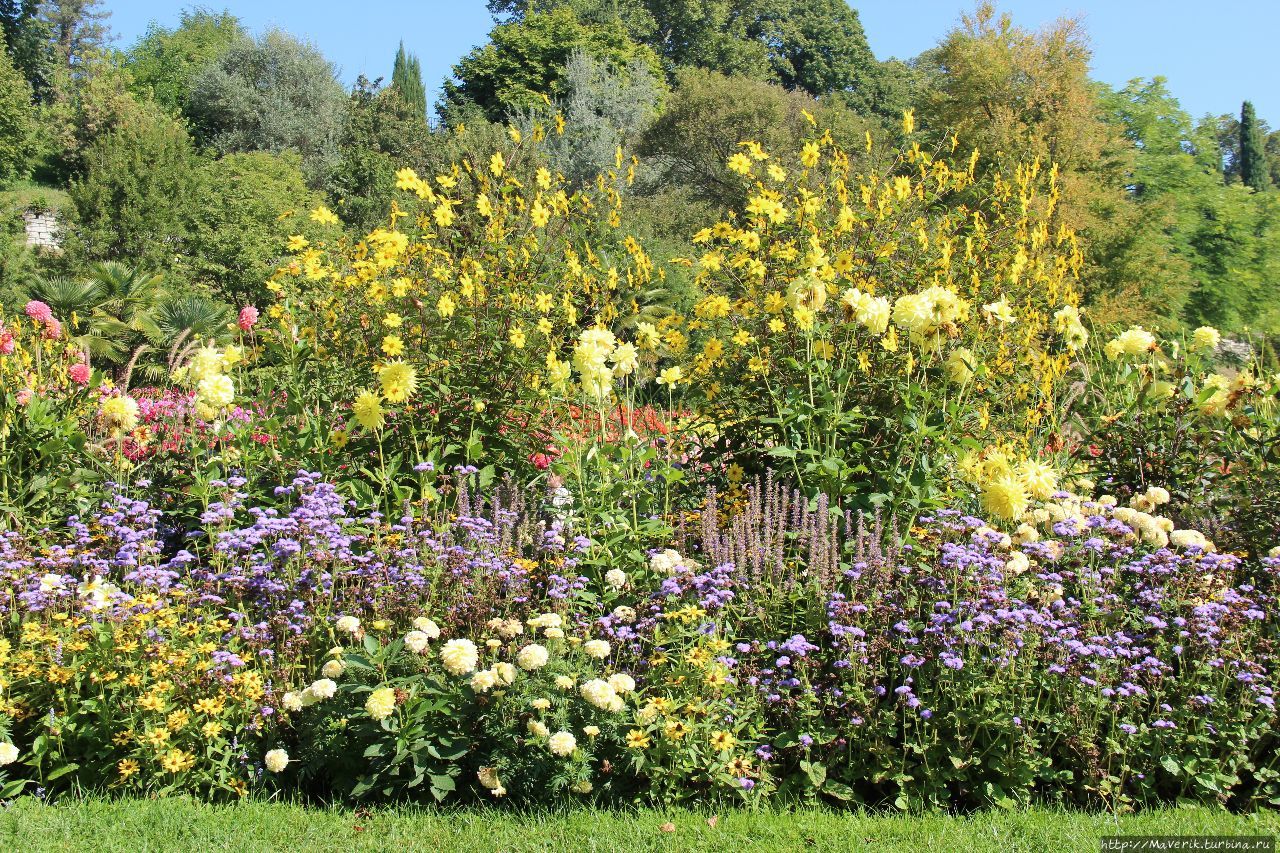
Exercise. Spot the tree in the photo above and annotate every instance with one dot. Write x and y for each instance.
(524, 63)
(406, 81)
(77, 28)
(817, 46)
(164, 62)
(274, 94)
(17, 122)
(129, 202)
(709, 114)
(605, 110)
(380, 135)
(1219, 239)
(1023, 97)
(1254, 169)
(27, 39)
(234, 235)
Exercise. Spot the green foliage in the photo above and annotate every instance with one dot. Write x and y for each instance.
(1254, 169)
(525, 61)
(817, 46)
(708, 114)
(274, 94)
(381, 134)
(406, 81)
(164, 61)
(17, 122)
(130, 201)
(27, 39)
(1217, 242)
(604, 110)
(243, 206)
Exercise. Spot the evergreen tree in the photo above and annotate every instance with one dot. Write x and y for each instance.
(26, 37)
(1254, 169)
(77, 27)
(406, 80)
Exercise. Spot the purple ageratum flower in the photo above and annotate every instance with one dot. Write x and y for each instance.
(747, 784)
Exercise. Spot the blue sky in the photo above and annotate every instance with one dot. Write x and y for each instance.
(1214, 54)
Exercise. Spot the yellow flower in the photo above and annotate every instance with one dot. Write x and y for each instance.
(539, 213)
(497, 164)
(544, 178)
(324, 216)
(960, 364)
(443, 214)
(177, 721)
(517, 337)
(809, 156)
(484, 206)
(637, 739)
(211, 729)
(740, 163)
(392, 321)
(151, 702)
(127, 767)
(445, 306)
(176, 761)
(671, 376)
(675, 729)
(392, 345)
(908, 122)
(399, 381)
(1005, 497)
(722, 740)
(381, 703)
(778, 173)
(368, 410)
(297, 243)
(1205, 339)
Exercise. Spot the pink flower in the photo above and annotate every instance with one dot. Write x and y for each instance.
(24, 396)
(52, 329)
(541, 461)
(79, 373)
(248, 318)
(6, 342)
(38, 311)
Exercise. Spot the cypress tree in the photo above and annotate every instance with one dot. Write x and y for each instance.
(406, 79)
(1253, 150)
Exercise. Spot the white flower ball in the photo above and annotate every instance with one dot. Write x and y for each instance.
(348, 624)
(332, 669)
(562, 743)
(428, 627)
(277, 760)
(599, 693)
(291, 701)
(505, 672)
(532, 656)
(616, 578)
(8, 753)
(484, 681)
(323, 689)
(596, 648)
(459, 657)
(622, 683)
(417, 641)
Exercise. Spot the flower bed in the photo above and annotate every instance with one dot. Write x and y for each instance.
(777, 650)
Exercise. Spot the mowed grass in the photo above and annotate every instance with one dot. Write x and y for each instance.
(183, 824)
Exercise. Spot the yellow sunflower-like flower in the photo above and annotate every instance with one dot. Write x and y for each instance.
(399, 381)
(368, 410)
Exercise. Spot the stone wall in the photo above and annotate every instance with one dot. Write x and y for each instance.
(42, 230)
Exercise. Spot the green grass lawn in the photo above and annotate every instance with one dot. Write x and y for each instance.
(22, 194)
(181, 824)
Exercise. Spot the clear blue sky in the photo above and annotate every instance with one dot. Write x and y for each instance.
(1215, 54)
